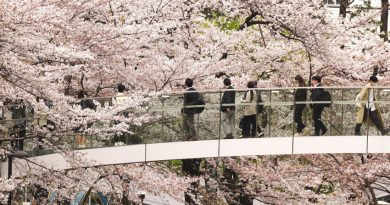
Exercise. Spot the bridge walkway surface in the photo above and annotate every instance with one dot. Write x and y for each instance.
(165, 139)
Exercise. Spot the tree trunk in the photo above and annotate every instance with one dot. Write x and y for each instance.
(343, 8)
(86, 197)
(384, 19)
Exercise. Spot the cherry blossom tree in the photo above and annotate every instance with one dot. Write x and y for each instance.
(51, 49)
(304, 179)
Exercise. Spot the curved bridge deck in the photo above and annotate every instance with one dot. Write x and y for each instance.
(225, 148)
(165, 138)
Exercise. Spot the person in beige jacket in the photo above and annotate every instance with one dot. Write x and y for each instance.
(250, 111)
(367, 106)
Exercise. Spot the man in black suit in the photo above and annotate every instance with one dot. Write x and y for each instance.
(316, 95)
(190, 98)
(228, 111)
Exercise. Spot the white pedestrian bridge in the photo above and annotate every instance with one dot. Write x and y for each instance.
(165, 139)
(225, 148)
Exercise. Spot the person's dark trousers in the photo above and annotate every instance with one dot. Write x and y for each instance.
(258, 124)
(358, 126)
(120, 138)
(20, 133)
(318, 124)
(189, 126)
(298, 117)
(259, 130)
(249, 128)
(40, 142)
(374, 117)
(191, 167)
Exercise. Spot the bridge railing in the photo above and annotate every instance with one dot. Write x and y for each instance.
(276, 120)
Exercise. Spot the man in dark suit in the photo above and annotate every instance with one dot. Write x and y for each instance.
(18, 110)
(228, 111)
(190, 98)
(316, 95)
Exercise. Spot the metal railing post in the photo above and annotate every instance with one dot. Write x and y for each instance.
(9, 177)
(257, 113)
(146, 149)
(293, 123)
(331, 112)
(183, 119)
(197, 127)
(342, 112)
(220, 123)
(270, 113)
(74, 141)
(220, 116)
(162, 115)
(367, 118)
(110, 140)
(380, 105)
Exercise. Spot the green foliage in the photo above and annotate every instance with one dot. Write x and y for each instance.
(205, 25)
(221, 21)
(327, 188)
(202, 166)
(324, 188)
(175, 165)
(304, 161)
(226, 23)
(285, 32)
(280, 189)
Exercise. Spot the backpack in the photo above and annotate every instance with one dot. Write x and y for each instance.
(199, 101)
(326, 97)
(88, 103)
(18, 111)
(260, 107)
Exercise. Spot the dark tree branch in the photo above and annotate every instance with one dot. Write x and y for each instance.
(250, 22)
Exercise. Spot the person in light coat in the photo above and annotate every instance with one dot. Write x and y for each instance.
(119, 100)
(250, 111)
(368, 110)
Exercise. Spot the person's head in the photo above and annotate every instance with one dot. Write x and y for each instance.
(373, 80)
(38, 99)
(254, 83)
(300, 80)
(189, 82)
(7, 101)
(80, 94)
(315, 80)
(121, 88)
(227, 82)
(251, 84)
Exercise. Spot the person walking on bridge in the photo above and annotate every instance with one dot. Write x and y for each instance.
(120, 97)
(228, 111)
(84, 104)
(369, 111)
(300, 96)
(190, 98)
(260, 109)
(250, 110)
(119, 100)
(316, 95)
